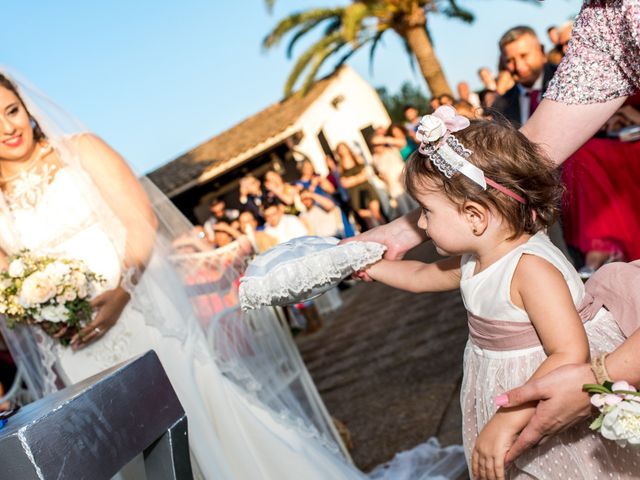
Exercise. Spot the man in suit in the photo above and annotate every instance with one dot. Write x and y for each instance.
(524, 57)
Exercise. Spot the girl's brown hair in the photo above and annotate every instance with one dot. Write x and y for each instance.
(507, 157)
(38, 134)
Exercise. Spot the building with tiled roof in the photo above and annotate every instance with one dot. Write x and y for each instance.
(339, 108)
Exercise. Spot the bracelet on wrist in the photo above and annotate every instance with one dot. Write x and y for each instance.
(599, 369)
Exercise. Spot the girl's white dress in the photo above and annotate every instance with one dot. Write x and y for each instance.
(577, 453)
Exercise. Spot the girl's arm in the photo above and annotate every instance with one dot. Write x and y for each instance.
(418, 277)
(541, 290)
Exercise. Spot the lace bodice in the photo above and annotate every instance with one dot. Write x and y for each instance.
(61, 222)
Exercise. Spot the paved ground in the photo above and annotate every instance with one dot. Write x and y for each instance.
(389, 364)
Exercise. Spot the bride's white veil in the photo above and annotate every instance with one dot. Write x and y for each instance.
(250, 349)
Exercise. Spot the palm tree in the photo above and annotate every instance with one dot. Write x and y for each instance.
(364, 22)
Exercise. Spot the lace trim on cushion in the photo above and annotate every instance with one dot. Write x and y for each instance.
(292, 280)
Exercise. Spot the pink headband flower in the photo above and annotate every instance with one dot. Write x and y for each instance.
(448, 154)
(444, 120)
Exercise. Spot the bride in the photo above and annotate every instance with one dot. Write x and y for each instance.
(65, 192)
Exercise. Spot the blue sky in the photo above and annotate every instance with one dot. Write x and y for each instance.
(156, 78)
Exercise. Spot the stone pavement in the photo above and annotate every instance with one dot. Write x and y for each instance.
(388, 364)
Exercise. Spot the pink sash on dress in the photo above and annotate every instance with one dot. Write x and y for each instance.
(615, 286)
(501, 335)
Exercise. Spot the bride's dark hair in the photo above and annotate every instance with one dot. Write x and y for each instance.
(38, 134)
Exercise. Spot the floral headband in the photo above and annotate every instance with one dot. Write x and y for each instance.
(437, 142)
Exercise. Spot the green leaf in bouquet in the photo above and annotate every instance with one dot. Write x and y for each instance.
(595, 388)
(597, 423)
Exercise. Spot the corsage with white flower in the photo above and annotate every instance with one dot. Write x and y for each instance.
(50, 292)
(619, 406)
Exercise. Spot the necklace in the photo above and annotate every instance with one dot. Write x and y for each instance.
(43, 152)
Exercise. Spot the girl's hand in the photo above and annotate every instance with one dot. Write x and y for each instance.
(494, 441)
(561, 403)
(109, 306)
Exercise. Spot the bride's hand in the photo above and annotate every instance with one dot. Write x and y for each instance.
(109, 306)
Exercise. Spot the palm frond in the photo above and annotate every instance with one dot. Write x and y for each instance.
(315, 66)
(453, 10)
(298, 20)
(352, 20)
(333, 26)
(302, 31)
(307, 56)
(374, 45)
(348, 55)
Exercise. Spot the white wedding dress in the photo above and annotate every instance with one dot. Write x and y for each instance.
(231, 434)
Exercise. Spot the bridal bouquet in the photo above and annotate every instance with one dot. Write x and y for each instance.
(619, 405)
(51, 292)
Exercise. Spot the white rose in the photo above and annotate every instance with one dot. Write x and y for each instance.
(69, 295)
(431, 128)
(54, 313)
(5, 283)
(622, 423)
(57, 271)
(16, 268)
(36, 289)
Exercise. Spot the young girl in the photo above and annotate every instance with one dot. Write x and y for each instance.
(487, 195)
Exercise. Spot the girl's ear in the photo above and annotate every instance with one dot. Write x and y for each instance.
(477, 216)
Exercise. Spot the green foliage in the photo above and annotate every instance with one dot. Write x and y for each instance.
(359, 23)
(409, 94)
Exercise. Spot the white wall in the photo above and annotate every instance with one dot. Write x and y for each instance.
(359, 108)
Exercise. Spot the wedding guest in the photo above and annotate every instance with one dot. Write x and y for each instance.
(251, 196)
(403, 142)
(434, 103)
(341, 198)
(465, 94)
(564, 36)
(219, 213)
(322, 216)
(446, 99)
(602, 195)
(280, 225)
(525, 60)
(487, 98)
(387, 161)
(224, 234)
(555, 54)
(310, 180)
(412, 120)
(354, 178)
(249, 225)
(465, 109)
(504, 79)
(487, 78)
(494, 240)
(277, 188)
